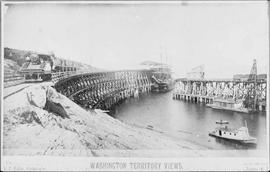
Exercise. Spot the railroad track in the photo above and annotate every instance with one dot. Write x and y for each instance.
(14, 92)
(9, 91)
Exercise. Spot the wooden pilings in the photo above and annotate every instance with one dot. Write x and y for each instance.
(205, 90)
(193, 98)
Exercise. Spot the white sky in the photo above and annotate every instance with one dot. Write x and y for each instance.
(224, 37)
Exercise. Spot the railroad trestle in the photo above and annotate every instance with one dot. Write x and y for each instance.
(200, 90)
(104, 89)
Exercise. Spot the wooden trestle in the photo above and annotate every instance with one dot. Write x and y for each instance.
(104, 89)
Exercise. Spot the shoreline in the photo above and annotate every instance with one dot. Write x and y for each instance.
(90, 133)
(28, 126)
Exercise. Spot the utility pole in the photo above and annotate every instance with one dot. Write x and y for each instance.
(255, 83)
(252, 95)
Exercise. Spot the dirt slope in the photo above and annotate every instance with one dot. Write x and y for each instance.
(30, 129)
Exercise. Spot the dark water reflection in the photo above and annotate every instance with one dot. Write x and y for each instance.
(189, 121)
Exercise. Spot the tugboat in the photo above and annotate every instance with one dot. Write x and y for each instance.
(240, 135)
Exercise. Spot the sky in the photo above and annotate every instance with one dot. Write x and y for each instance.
(224, 37)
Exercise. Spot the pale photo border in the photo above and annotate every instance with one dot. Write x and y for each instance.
(63, 163)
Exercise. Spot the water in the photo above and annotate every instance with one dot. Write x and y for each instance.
(189, 121)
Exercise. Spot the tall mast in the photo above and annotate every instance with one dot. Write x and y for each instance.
(161, 54)
(161, 60)
(166, 56)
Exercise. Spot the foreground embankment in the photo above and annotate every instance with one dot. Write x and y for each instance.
(40, 121)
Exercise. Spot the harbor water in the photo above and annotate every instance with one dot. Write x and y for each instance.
(189, 121)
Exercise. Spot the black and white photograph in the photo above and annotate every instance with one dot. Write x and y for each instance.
(135, 85)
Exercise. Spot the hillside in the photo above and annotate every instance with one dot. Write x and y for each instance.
(43, 122)
(19, 56)
(16, 55)
(10, 67)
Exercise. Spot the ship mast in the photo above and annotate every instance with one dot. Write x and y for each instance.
(161, 66)
(161, 54)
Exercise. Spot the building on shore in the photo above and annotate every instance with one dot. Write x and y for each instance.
(196, 73)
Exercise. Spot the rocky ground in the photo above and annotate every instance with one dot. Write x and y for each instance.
(40, 121)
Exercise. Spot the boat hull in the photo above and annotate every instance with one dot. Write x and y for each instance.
(162, 87)
(226, 108)
(246, 142)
